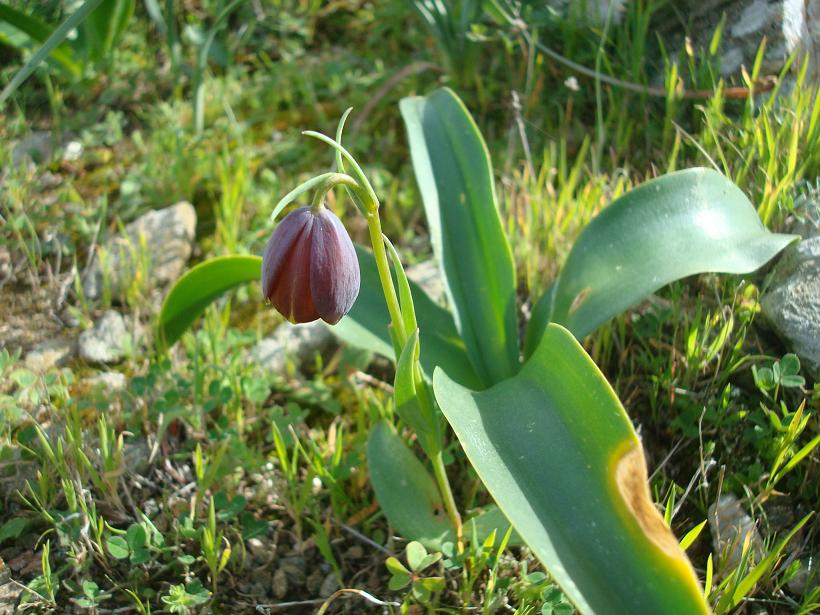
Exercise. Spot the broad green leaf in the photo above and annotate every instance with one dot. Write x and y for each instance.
(455, 178)
(415, 555)
(396, 567)
(52, 42)
(105, 26)
(38, 32)
(558, 454)
(406, 491)
(366, 324)
(681, 224)
(13, 528)
(117, 547)
(199, 287)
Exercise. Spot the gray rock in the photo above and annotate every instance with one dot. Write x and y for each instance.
(730, 525)
(162, 239)
(792, 303)
(36, 147)
(807, 573)
(299, 342)
(50, 353)
(5, 265)
(280, 584)
(112, 382)
(789, 26)
(427, 275)
(137, 455)
(329, 585)
(106, 342)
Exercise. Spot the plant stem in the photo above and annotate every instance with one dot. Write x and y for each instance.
(374, 225)
(397, 322)
(447, 494)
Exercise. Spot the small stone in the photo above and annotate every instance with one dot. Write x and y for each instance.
(808, 572)
(112, 382)
(299, 342)
(314, 582)
(280, 584)
(36, 147)
(150, 508)
(106, 342)
(73, 151)
(792, 303)
(294, 567)
(161, 239)
(136, 455)
(427, 275)
(261, 548)
(730, 525)
(329, 585)
(5, 265)
(50, 353)
(9, 595)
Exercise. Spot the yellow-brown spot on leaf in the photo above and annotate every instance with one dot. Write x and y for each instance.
(633, 484)
(579, 299)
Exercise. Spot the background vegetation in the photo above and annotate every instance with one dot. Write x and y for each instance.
(210, 483)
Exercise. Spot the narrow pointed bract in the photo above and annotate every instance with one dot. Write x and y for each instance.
(310, 269)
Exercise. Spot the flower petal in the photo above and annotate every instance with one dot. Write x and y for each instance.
(334, 268)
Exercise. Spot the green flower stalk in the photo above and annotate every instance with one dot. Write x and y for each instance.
(310, 271)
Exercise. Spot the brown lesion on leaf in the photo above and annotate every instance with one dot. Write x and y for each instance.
(579, 300)
(633, 485)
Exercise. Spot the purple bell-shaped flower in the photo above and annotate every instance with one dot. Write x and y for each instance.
(310, 269)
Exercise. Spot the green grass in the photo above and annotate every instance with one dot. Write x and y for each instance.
(211, 483)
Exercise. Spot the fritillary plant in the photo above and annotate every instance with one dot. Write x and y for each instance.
(537, 419)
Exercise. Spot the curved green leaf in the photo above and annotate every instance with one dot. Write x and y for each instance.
(199, 287)
(366, 324)
(54, 40)
(567, 470)
(104, 27)
(38, 32)
(455, 177)
(406, 491)
(688, 222)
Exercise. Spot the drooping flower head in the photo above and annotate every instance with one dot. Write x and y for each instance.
(310, 269)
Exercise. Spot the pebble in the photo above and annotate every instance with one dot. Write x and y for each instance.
(299, 342)
(792, 303)
(50, 353)
(112, 382)
(730, 525)
(280, 584)
(106, 342)
(163, 237)
(329, 585)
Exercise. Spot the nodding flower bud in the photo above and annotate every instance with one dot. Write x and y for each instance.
(310, 269)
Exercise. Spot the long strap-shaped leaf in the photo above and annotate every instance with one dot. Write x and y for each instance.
(689, 222)
(558, 454)
(455, 178)
(38, 32)
(53, 41)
